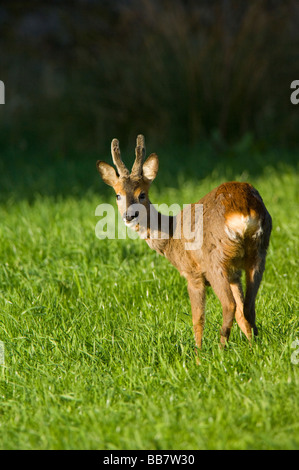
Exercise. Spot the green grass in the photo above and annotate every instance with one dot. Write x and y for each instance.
(99, 349)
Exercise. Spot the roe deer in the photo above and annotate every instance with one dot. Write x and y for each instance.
(236, 232)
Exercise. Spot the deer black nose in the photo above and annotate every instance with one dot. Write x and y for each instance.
(130, 216)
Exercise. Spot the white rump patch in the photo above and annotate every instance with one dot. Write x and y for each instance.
(238, 225)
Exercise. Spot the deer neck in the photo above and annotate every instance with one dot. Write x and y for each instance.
(157, 230)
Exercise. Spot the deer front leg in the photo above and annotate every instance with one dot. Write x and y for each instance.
(197, 298)
(254, 276)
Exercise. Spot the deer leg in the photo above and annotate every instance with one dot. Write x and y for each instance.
(237, 291)
(197, 299)
(224, 293)
(254, 274)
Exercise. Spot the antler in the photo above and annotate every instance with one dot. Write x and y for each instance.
(115, 151)
(140, 154)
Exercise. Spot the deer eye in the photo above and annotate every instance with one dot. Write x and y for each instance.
(118, 197)
(141, 196)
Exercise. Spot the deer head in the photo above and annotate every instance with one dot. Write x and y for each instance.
(131, 188)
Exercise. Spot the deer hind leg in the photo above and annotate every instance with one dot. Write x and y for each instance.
(237, 291)
(222, 289)
(254, 274)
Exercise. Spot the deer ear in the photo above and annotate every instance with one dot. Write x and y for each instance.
(107, 173)
(150, 167)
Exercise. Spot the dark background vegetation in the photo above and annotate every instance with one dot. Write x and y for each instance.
(188, 74)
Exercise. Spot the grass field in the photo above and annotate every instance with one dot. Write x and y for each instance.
(97, 334)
